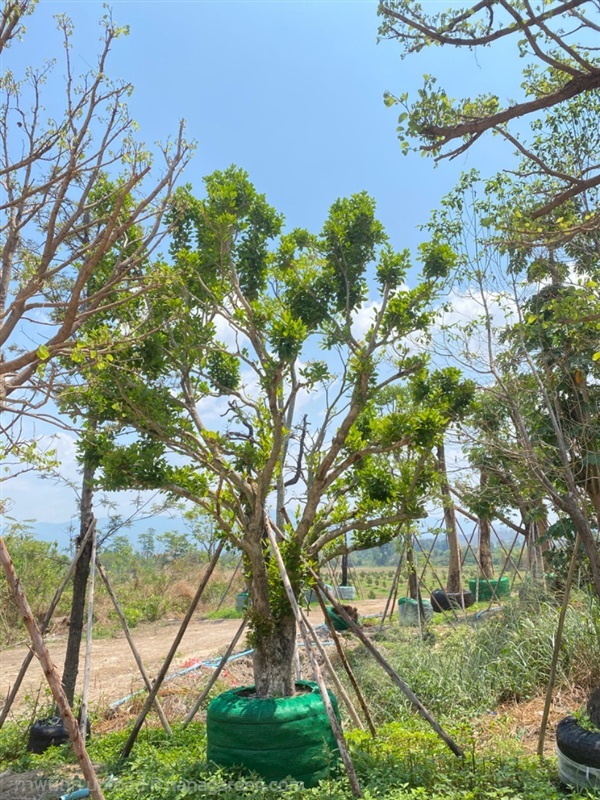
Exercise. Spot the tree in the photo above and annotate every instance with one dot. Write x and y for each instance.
(81, 215)
(61, 214)
(539, 430)
(557, 43)
(446, 390)
(261, 325)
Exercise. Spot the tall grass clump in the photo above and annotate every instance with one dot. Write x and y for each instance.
(471, 667)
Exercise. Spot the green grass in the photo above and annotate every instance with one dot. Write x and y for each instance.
(407, 761)
(468, 668)
(460, 671)
(225, 613)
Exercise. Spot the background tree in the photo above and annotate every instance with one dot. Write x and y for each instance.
(80, 217)
(60, 216)
(446, 390)
(261, 323)
(557, 42)
(532, 355)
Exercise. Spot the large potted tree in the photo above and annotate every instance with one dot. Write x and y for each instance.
(251, 330)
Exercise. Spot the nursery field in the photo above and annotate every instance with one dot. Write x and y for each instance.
(483, 678)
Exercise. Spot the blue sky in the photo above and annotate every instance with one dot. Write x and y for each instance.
(290, 91)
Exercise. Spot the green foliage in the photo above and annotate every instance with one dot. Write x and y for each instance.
(438, 259)
(407, 761)
(503, 658)
(39, 566)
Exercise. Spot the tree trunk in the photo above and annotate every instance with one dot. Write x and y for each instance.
(582, 527)
(274, 658)
(485, 549)
(485, 530)
(80, 581)
(454, 580)
(345, 568)
(273, 627)
(39, 646)
(413, 582)
(542, 530)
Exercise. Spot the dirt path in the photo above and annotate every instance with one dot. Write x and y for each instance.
(114, 672)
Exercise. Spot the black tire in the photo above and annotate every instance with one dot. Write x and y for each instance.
(444, 601)
(46, 732)
(439, 601)
(275, 737)
(578, 744)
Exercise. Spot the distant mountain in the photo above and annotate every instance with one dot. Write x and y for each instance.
(61, 532)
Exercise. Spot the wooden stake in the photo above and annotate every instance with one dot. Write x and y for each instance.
(51, 674)
(213, 678)
(158, 681)
(83, 714)
(338, 685)
(297, 664)
(335, 726)
(229, 585)
(386, 666)
(389, 605)
(557, 644)
(134, 650)
(44, 626)
(340, 650)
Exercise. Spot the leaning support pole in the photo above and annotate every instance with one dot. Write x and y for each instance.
(213, 678)
(389, 605)
(386, 666)
(158, 681)
(230, 584)
(329, 666)
(342, 656)
(335, 726)
(51, 674)
(10, 699)
(557, 644)
(134, 650)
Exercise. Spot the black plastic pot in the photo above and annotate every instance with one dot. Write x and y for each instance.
(46, 732)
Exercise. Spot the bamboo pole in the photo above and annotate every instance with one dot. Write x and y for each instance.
(134, 650)
(347, 667)
(297, 664)
(557, 644)
(213, 678)
(51, 674)
(386, 666)
(229, 585)
(335, 726)
(85, 691)
(437, 578)
(338, 685)
(158, 681)
(44, 626)
(393, 590)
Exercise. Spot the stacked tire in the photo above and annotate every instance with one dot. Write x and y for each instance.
(444, 601)
(278, 737)
(411, 614)
(578, 754)
(490, 588)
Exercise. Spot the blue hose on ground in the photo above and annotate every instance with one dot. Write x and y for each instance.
(80, 793)
(211, 664)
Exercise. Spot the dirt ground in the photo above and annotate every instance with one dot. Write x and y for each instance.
(114, 672)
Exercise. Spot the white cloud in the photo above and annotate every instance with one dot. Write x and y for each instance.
(364, 318)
